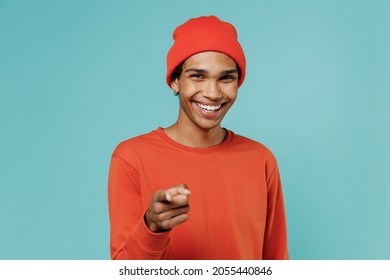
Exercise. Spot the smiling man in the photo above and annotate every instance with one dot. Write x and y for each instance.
(230, 183)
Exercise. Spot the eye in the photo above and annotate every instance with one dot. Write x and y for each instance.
(196, 76)
(227, 78)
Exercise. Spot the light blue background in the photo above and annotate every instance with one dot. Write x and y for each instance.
(78, 77)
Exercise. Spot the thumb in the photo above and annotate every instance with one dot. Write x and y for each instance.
(181, 189)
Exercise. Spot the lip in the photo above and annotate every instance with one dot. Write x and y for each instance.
(209, 107)
(208, 114)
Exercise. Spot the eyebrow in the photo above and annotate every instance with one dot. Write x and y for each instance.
(233, 71)
(202, 71)
(195, 70)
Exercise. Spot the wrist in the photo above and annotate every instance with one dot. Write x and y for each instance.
(152, 226)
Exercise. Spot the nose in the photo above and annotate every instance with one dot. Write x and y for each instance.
(212, 90)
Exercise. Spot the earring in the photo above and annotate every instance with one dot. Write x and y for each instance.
(175, 93)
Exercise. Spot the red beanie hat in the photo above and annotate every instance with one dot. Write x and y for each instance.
(204, 34)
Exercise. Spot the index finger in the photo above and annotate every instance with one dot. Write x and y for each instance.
(167, 195)
(181, 189)
(161, 196)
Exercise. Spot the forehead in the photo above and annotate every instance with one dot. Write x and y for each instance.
(210, 60)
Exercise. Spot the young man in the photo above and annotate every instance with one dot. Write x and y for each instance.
(231, 183)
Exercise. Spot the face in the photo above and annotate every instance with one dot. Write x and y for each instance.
(207, 89)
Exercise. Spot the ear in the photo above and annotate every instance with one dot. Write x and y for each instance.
(175, 85)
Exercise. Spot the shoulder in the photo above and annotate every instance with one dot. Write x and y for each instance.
(247, 143)
(252, 147)
(132, 146)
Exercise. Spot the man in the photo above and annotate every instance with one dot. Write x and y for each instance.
(231, 183)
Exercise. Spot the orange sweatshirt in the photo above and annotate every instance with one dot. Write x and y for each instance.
(237, 209)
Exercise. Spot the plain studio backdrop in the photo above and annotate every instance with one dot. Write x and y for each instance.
(78, 77)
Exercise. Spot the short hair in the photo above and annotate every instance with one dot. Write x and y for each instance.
(177, 72)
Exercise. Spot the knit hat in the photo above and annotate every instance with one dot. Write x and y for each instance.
(206, 33)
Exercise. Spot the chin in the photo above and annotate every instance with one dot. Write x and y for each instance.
(209, 126)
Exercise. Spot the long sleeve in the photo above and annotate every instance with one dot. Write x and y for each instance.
(275, 237)
(236, 201)
(129, 236)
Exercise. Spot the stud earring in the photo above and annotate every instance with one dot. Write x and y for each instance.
(175, 93)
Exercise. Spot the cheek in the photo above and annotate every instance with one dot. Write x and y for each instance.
(231, 93)
(188, 87)
(234, 95)
(185, 103)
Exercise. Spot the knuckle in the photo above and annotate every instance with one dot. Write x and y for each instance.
(157, 194)
(166, 224)
(157, 208)
(161, 217)
(184, 199)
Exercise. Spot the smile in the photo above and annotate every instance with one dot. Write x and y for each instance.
(209, 108)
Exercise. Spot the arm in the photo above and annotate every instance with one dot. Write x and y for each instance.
(129, 236)
(275, 238)
(137, 233)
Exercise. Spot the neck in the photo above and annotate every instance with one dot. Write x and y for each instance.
(196, 137)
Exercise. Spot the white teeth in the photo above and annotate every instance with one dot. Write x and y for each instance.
(209, 107)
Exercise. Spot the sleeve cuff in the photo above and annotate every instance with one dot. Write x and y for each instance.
(150, 241)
